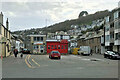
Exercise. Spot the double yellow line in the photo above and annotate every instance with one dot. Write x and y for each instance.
(27, 61)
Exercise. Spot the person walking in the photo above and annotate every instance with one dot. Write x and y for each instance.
(91, 52)
(15, 52)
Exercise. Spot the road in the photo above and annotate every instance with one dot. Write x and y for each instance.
(70, 66)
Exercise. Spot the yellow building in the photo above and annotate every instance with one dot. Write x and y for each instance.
(5, 38)
(36, 43)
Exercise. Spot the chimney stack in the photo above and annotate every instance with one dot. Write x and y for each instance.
(1, 18)
(7, 24)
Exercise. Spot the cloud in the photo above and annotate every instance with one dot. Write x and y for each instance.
(34, 14)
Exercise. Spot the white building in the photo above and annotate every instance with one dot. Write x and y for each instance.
(117, 30)
(19, 45)
(62, 37)
(112, 30)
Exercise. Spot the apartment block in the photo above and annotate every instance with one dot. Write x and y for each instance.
(112, 30)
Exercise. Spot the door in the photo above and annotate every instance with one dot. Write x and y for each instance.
(41, 49)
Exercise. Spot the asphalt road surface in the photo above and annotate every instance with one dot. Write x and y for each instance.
(69, 66)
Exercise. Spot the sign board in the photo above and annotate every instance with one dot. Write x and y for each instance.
(38, 43)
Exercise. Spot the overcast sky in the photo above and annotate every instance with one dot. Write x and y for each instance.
(27, 15)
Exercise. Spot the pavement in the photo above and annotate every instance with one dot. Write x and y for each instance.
(69, 66)
(0, 69)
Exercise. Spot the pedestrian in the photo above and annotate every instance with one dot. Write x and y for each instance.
(21, 55)
(91, 52)
(15, 52)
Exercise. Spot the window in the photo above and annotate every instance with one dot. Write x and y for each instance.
(41, 46)
(0, 29)
(48, 46)
(119, 14)
(52, 47)
(117, 36)
(58, 46)
(119, 25)
(107, 38)
(35, 38)
(38, 38)
(62, 47)
(116, 24)
(107, 27)
(55, 46)
(61, 36)
(65, 46)
(4, 31)
(107, 19)
(35, 47)
(112, 25)
(115, 15)
(41, 38)
(111, 35)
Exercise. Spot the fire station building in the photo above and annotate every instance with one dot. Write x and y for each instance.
(59, 45)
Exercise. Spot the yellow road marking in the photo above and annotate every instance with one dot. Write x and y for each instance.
(35, 62)
(27, 57)
(28, 62)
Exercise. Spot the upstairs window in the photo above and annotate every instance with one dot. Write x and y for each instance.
(55, 46)
(38, 38)
(66, 47)
(52, 47)
(35, 38)
(48, 46)
(0, 29)
(62, 47)
(41, 38)
(58, 46)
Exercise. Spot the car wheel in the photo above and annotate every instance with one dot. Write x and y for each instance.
(59, 58)
(82, 54)
(110, 57)
(49, 57)
(105, 56)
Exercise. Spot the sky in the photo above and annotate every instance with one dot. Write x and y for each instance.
(24, 14)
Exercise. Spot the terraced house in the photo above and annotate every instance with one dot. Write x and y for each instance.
(112, 30)
(5, 38)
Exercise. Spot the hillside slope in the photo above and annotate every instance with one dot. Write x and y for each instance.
(66, 25)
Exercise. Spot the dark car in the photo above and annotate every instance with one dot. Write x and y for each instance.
(26, 51)
(111, 55)
(55, 54)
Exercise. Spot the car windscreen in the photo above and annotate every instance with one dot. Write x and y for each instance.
(55, 52)
(110, 52)
(25, 49)
(116, 52)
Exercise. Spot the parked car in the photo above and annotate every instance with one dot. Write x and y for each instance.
(26, 51)
(112, 55)
(55, 54)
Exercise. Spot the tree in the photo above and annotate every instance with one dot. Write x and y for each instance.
(82, 13)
